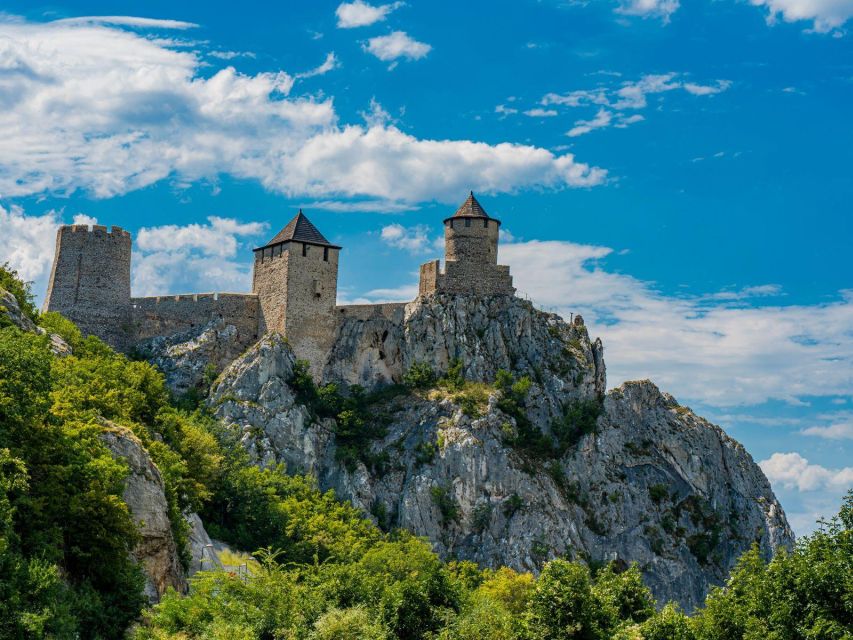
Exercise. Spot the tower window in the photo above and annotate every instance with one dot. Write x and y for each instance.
(325, 254)
(467, 222)
(304, 249)
(486, 223)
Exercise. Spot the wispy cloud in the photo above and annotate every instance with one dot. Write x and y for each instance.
(331, 62)
(649, 8)
(362, 14)
(614, 101)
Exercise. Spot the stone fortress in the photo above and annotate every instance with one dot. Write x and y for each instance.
(294, 286)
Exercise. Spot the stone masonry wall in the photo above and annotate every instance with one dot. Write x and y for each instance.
(90, 281)
(471, 256)
(168, 315)
(389, 310)
(312, 287)
(269, 283)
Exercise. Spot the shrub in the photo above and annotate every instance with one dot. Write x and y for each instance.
(419, 376)
(658, 492)
(447, 506)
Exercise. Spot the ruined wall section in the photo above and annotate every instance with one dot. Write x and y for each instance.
(90, 281)
(169, 315)
(389, 310)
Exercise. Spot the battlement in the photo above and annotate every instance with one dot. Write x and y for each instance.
(96, 230)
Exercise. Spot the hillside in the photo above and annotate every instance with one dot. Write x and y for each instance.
(110, 485)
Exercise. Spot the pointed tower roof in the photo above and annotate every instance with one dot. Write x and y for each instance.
(472, 208)
(300, 229)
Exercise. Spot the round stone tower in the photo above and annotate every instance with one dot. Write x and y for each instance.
(470, 256)
(471, 236)
(90, 281)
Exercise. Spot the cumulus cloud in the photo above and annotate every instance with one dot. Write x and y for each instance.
(362, 14)
(412, 239)
(826, 15)
(397, 44)
(793, 471)
(649, 8)
(612, 100)
(195, 257)
(85, 105)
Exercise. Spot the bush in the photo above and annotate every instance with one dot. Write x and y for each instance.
(22, 291)
(419, 376)
(447, 507)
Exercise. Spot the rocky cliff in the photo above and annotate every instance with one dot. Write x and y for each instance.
(561, 470)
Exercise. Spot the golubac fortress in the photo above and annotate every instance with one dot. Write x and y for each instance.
(294, 285)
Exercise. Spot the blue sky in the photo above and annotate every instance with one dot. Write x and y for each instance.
(678, 173)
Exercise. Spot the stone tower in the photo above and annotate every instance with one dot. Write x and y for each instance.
(90, 281)
(470, 255)
(296, 280)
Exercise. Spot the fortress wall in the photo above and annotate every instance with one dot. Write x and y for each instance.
(312, 284)
(485, 279)
(392, 311)
(90, 281)
(431, 278)
(167, 315)
(269, 283)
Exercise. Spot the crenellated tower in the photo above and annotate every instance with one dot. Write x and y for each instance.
(470, 255)
(90, 281)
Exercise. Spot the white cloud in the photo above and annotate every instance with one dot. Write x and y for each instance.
(626, 96)
(412, 239)
(86, 106)
(841, 428)
(826, 15)
(540, 113)
(793, 471)
(714, 350)
(649, 8)
(505, 110)
(28, 242)
(126, 21)
(362, 14)
(397, 44)
(331, 62)
(602, 119)
(194, 258)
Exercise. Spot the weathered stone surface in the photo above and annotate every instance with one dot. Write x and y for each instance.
(486, 334)
(145, 496)
(655, 484)
(202, 549)
(10, 309)
(187, 359)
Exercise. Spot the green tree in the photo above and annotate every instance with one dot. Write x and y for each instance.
(562, 606)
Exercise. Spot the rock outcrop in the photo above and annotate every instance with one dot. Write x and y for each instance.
(191, 359)
(653, 484)
(145, 496)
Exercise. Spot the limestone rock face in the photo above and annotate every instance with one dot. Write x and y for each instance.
(486, 334)
(655, 484)
(187, 359)
(145, 496)
(12, 313)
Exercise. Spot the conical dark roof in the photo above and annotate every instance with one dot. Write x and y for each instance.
(300, 229)
(472, 208)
